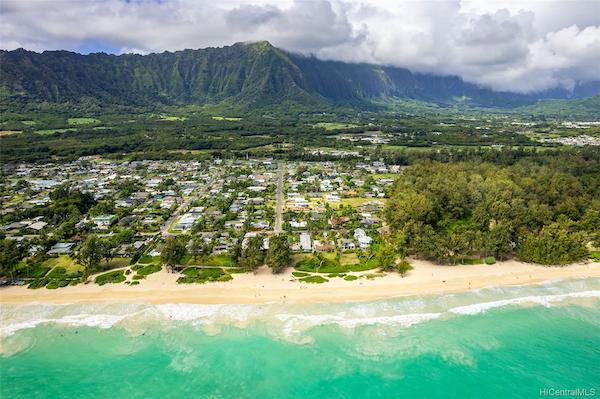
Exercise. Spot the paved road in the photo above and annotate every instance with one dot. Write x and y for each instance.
(279, 207)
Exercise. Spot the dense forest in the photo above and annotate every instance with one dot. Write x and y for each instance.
(545, 212)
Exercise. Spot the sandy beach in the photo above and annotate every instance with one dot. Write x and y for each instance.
(264, 287)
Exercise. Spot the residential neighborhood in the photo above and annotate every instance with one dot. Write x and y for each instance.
(215, 206)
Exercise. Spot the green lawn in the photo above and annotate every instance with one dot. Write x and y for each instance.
(52, 131)
(226, 118)
(335, 125)
(172, 118)
(64, 261)
(82, 121)
(146, 259)
(356, 202)
(379, 176)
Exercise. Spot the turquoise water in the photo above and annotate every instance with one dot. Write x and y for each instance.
(484, 344)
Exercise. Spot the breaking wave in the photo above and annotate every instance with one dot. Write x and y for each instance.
(291, 321)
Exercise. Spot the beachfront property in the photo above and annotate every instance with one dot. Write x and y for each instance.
(135, 206)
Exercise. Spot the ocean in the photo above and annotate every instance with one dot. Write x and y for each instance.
(517, 342)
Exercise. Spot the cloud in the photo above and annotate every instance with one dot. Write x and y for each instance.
(505, 44)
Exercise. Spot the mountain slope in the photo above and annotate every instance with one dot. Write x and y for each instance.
(248, 73)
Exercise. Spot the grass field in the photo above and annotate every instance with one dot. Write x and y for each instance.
(356, 202)
(82, 121)
(334, 125)
(349, 259)
(226, 118)
(172, 118)
(70, 265)
(52, 131)
(379, 176)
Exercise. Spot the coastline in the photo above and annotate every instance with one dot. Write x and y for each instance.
(264, 287)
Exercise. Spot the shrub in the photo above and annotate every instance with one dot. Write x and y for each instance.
(490, 260)
(300, 274)
(314, 279)
(39, 283)
(203, 275)
(351, 278)
(114, 277)
(134, 283)
(54, 284)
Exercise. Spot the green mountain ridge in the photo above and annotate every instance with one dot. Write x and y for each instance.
(247, 73)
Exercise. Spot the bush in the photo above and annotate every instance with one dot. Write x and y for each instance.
(114, 277)
(490, 260)
(351, 278)
(54, 284)
(39, 283)
(595, 255)
(314, 279)
(134, 283)
(300, 274)
(203, 275)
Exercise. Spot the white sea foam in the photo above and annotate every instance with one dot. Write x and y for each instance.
(543, 300)
(289, 321)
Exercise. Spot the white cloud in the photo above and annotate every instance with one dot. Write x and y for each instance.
(506, 44)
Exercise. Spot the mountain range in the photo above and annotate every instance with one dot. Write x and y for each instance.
(248, 73)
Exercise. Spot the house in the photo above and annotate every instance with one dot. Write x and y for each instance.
(297, 224)
(186, 222)
(37, 226)
(347, 245)
(103, 221)
(364, 241)
(61, 248)
(305, 242)
(261, 224)
(234, 224)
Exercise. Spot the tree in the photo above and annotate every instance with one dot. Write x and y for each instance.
(278, 256)
(90, 253)
(10, 255)
(173, 251)
(554, 244)
(197, 246)
(252, 256)
(386, 256)
(108, 249)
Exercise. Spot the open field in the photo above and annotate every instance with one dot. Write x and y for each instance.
(82, 121)
(226, 118)
(334, 125)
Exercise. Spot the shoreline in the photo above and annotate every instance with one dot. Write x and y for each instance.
(264, 287)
